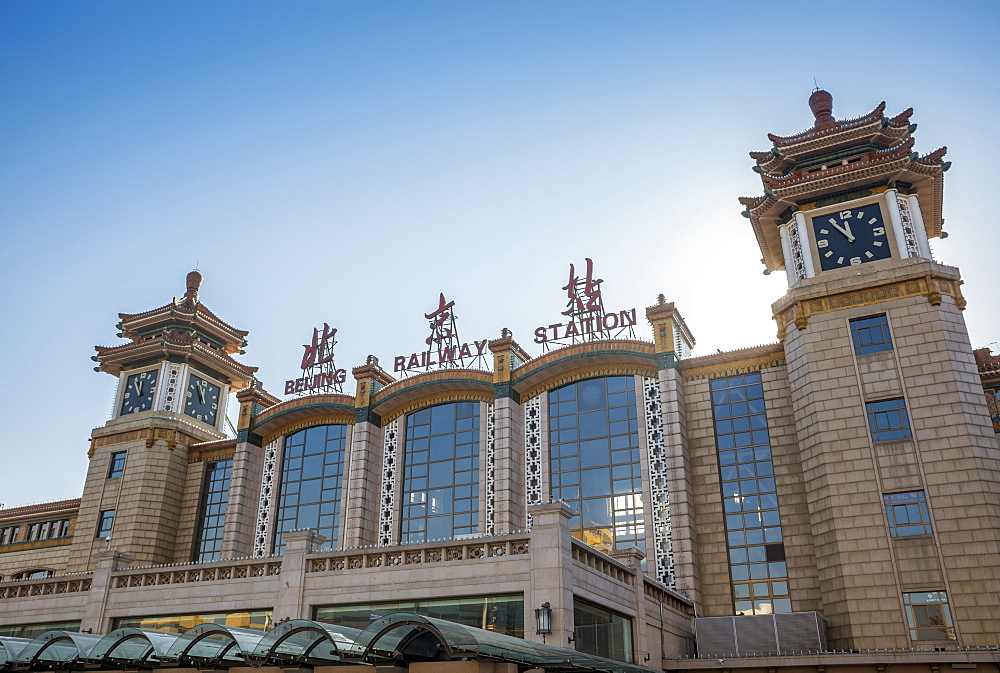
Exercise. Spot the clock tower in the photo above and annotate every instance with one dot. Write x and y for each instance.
(174, 375)
(885, 393)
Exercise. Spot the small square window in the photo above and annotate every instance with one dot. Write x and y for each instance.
(928, 616)
(105, 522)
(871, 335)
(907, 514)
(117, 466)
(888, 420)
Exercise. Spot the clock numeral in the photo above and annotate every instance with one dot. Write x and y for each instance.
(846, 214)
(878, 231)
(822, 243)
(215, 406)
(855, 261)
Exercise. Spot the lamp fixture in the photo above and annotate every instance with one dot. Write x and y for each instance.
(543, 619)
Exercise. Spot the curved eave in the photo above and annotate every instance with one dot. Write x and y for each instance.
(818, 134)
(112, 360)
(294, 412)
(870, 159)
(201, 318)
(582, 360)
(432, 387)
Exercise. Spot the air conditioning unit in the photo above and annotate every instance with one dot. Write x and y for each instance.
(783, 633)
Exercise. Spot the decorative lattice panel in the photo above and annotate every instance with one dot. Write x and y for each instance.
(909, 230)
(262, 532)
(795, 243)
(387, 510)
(663, 551)
(491, 446)
(533, 452)
(171, 394)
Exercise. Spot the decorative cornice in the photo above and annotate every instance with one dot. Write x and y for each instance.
(149, 435)
(222, 449)
(342, 418)
(732, 363)
(41, 508)
(37, 544)
(931, 286)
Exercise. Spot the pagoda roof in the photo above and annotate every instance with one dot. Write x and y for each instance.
(183, 330)
(840, 157)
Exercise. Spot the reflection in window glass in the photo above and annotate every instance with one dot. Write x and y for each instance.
(601, 632)
(594, 460)
(503, 614)
(116, 467)
(750, 499)
(871, 335)
(441, 473)
(888, 420)
(33, 630)
(311, 478)
(214, 499)
(105, 522)
(907, 514)
(928, 616)
(244, 619)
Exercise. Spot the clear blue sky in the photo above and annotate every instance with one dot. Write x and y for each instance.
(347, 161)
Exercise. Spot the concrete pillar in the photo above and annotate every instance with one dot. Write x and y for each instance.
(551, 572)
(290, 603)
(94, 618)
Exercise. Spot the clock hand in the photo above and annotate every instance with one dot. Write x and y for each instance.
(845, 229)
(138, 387)
(201, 395)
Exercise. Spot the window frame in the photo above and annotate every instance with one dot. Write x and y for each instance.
(105, 523)
(912, 612)
(859, 330)
(116, 464)
(878, 411)
(901, 530)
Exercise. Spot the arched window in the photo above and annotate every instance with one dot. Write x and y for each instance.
(312, 475)
(441, 473)
(594, 460)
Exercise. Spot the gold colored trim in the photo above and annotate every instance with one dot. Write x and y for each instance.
(588, 372)
(799, 312)
(210, 456)
(38, 544)
(439, 398)
(735, 368)
(149, 435)
(328, 419)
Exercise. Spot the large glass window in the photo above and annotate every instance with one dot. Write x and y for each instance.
(441, 473)
(601, 632)
(871, 335)
(32, 630)
(503, 614)
(928, 616)
(907, 514)
(887, 420)
(750, 498)
(244, 619)
(311, 479)
(594, 460)
(8, 534)
(212, 519)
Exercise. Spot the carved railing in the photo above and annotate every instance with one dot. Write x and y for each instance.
(178, 573)
(605, 565)
(487, 549)
(48, 586)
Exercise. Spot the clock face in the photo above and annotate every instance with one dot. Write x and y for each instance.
(202, 400)
(139, 391)
(851, 237)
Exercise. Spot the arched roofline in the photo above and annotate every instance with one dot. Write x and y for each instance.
(341, 638)
(79, 644)
(10, 647)
(182, 650)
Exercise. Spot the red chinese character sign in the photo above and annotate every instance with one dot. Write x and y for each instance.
(444, 347)
(319, 373)
(588, 321)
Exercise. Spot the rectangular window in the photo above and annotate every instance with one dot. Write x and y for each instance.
(757, 565)
(244, 619)
(907, 514)
(105, 522)
(928, 616)
(502, 614)
(871, 335)
(117, 467)
(601, 632)
(8, 534)
(887, 420)
(32, 630)
(212, 519)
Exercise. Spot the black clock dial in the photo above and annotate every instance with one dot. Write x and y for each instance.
(139, 391)
(202, 400)
(850, 237)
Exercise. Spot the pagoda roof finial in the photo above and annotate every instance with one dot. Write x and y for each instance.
(821, 104)
(193, 280)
